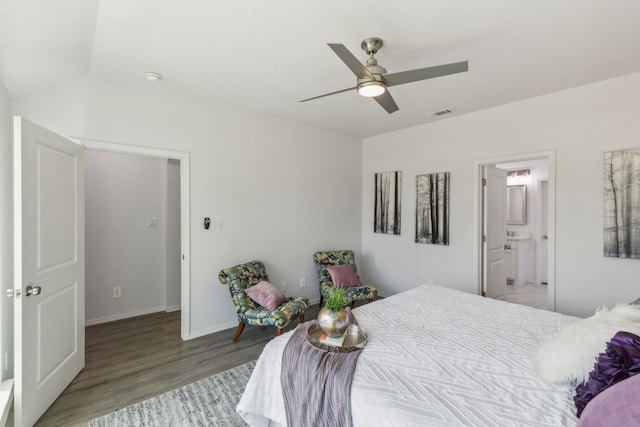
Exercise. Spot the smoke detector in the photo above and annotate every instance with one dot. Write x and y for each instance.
(153, 77)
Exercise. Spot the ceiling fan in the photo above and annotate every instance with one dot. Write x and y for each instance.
(373, 79)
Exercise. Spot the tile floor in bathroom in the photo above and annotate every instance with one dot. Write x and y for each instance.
(530, 294)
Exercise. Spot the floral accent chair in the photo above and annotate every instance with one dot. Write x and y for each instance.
(243, 276)
(326, 259)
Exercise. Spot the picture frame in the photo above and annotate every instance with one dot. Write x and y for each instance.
(621, 204)
(432, 208)
(387, 202)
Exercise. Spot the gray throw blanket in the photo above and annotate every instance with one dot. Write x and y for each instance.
(316, 384)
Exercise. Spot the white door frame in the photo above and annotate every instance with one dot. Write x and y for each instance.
(185, 214)
(539, 230)
(550, 156)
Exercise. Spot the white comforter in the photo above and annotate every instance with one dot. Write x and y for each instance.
(436, 357)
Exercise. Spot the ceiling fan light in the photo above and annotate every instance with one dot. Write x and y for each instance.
(371, 89)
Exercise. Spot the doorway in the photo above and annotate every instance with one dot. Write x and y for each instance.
(48, 174)
(527, 240)
(185, 243)
(132, 236)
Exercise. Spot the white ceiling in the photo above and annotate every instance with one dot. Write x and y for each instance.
(265, 56)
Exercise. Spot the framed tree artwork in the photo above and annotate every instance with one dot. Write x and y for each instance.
(432, 208)
(387, 205)
(622, 204)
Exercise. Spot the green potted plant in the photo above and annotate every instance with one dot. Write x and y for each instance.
(333, 318)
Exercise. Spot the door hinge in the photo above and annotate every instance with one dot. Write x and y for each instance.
(484, 239)
(484, 182)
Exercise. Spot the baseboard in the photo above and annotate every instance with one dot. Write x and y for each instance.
(107, 319)
(173, 308)
(6, 399)
(213, 329)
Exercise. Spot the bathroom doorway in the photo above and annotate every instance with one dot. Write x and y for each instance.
(526, 268)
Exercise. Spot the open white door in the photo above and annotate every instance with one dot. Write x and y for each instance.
(495, 227)
(49, 267)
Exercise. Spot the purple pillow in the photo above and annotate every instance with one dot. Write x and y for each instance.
(343, 275)
(620, 361)
(266, 294)
(616, 406)
(636, 301)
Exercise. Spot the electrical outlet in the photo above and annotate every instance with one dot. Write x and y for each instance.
(283, 285)
(303, 282)
(117, 292)
(153, 221)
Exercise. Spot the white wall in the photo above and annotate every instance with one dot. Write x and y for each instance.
(283, 190)
(580, 124)
(121, 193)
(6, 229)
(172, 240)
(270, 179)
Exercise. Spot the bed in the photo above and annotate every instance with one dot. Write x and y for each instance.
(436, 357)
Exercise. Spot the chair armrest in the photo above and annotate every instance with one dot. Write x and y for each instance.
(324, 286)
(256, 313)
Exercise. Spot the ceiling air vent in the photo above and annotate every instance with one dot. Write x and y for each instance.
(441, 113)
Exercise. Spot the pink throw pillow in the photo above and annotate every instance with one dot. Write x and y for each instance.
(343, 275)
(266, 294)
(636, 301)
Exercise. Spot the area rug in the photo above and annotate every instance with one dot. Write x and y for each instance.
(208, 402)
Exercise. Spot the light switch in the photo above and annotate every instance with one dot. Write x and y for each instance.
(153, 221)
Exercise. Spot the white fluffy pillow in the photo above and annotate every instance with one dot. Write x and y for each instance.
(569, 356)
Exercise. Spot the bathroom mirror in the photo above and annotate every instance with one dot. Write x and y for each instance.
(517, 204)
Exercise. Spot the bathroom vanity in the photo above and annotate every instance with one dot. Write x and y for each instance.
(518, 256)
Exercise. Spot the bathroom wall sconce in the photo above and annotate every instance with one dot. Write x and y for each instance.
(523, 172)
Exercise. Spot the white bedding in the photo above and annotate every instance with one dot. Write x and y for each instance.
(436, 357)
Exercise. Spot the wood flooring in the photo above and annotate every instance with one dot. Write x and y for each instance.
(134, 359)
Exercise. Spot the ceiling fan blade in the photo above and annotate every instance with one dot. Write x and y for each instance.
(403, 77)
(386, 101)
(327, 94)
(351, 61)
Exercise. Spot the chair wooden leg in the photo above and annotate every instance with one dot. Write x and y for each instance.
(279, 331)
(321, 300)
(302, 318)
(238, 331)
